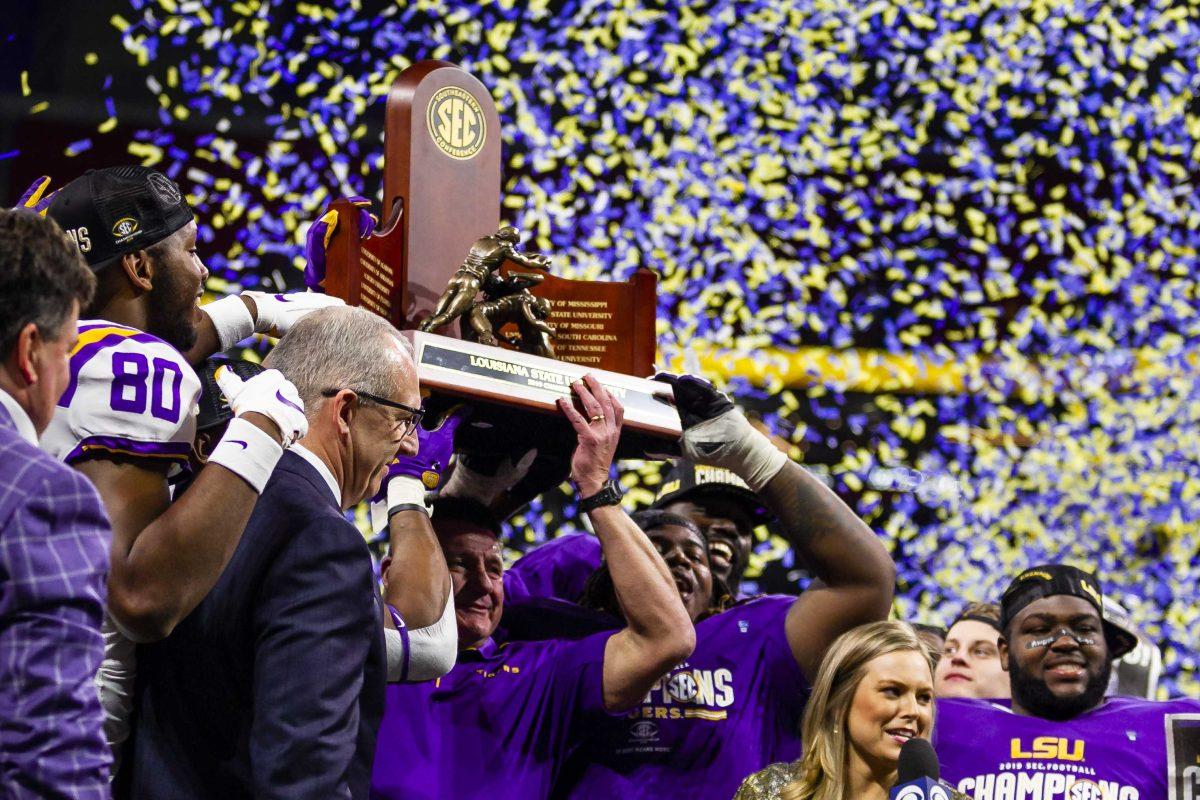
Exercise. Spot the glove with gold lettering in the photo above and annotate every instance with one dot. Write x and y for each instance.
(35, 198)
(409, 477)
(320, 233)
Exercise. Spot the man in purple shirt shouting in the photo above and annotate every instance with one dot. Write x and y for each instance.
(1060, 738)
(500, 724)
(714, 499)
(54, 535)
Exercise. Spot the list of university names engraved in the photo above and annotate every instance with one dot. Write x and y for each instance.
(582, 330)
(376, 286)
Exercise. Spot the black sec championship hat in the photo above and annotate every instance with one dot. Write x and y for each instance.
(213, 408)
(685, 480)
(118, 210)
(1051, 579)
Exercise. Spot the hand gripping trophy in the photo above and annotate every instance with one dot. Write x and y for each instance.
(505, 298)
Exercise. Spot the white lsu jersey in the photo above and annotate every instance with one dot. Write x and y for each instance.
(130, 394)
(133, 395)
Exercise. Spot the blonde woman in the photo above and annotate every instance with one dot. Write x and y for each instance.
(873, 692)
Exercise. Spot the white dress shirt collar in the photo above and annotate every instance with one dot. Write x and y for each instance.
(20, 419)
(322, 468)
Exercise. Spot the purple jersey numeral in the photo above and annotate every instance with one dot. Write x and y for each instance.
(130, 391)
(130, 371)
(158, 408)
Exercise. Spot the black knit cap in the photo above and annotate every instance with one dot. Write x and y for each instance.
(1047, 580)
(688, 481)
(213, 409)
(117, 210)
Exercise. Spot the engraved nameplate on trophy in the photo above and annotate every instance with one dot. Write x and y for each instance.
(473, 370)
(604, 324)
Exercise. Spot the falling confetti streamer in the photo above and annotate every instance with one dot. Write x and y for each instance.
(1001, 194)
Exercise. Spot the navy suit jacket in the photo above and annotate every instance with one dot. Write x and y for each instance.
(274, 686)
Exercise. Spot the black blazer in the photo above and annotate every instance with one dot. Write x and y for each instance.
(273, 687)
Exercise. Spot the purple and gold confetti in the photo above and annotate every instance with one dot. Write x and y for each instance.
(952, 245)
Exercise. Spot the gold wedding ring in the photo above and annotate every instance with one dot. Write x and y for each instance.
(596, 418)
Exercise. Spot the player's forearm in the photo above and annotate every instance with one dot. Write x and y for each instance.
(166, 557)
(422, 654)
(177, 558)
(418, 580)
(823, 531)
(208, 337)
(839, 548)
(644, 586)
(207, 342)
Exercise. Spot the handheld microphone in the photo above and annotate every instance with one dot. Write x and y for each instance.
(918, 773)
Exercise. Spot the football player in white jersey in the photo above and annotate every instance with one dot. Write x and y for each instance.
(127, 418)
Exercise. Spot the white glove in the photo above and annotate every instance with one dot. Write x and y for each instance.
(246, 449)
(267, 393)
(717, 434)
(277, 313)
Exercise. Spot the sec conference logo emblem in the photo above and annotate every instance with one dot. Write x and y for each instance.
(644, 731)
(125, 229)
(456, 123)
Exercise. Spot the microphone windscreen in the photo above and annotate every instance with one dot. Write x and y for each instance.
(917, 760)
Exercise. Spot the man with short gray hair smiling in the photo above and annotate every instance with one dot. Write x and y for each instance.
(274, 686)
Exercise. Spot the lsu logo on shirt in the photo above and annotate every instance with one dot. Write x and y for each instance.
(1046, 768)
(1048, 747)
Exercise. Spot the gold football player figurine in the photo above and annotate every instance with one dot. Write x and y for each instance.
(528, 313)
(478, 273)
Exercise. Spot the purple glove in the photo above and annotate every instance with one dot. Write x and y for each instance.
(35, 198)
(434, 448)
(320, 233)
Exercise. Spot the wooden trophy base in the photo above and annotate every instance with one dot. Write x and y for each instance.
(520, 382)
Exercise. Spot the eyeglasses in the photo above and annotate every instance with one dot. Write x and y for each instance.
(406, 426)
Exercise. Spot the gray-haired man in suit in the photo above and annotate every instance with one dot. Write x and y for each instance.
(273, 687)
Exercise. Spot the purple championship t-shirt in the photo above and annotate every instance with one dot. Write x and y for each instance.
(1126, 749)
(498, 726)
(732, 708)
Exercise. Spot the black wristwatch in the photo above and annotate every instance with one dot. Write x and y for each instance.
(609, 495)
